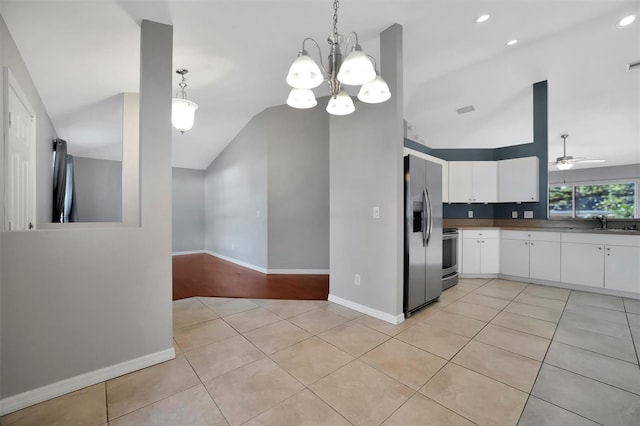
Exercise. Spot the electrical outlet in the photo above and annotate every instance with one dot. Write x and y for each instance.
(376, 212)
(528, 214)
(514, 215)
(357, 280)
(470, 214)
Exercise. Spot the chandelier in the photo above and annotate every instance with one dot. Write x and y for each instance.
(357, 69)
(182, 110)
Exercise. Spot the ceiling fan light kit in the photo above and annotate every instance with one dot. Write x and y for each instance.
(182, 110)
(357, 69)
(567, 161)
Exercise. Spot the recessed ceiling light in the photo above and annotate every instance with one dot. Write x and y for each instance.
(482, 18)
(626, 21)
(512, 42)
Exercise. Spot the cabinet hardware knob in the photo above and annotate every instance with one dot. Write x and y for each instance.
(608, 249)
(526, 244)
(599, 248)
(531, 243)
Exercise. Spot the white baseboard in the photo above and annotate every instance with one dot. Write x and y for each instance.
(462, 275)
(183, 253)
(26, 399)
(237, 262)
(269, 271)
(393, 319)
(298, 271)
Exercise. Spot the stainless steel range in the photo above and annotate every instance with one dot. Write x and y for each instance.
(449, 257)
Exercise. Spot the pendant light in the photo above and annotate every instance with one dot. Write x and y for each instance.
(357, 69)
(182, 110)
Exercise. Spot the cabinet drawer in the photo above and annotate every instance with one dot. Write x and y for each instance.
(531, 235)
(480, 233)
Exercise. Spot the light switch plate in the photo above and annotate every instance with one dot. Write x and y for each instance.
(470, 214)
(514, 215)
(528, 214)
(376, 212)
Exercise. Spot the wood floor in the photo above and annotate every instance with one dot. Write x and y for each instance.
(205, 275)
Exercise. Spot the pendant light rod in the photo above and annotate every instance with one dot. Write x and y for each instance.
(564, 143)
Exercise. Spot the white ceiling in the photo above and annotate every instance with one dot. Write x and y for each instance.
(83, 54)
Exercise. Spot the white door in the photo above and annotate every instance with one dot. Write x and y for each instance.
(20, 190)
(471, 256)
(490, 256)
(485, 181)
(622, 268)
(460, 181)
(515, 258)
(544, 260)
(582, 264)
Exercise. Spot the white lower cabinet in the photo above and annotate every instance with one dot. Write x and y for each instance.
(480, 251)
(622, 268)
(515, 257)
(530, 254)
(583, 264)
(544, 260)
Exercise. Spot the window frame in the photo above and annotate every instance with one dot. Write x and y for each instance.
(636, 198)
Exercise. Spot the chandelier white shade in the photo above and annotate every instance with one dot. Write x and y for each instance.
(375, 91)
(340, 104)
(183, 111)
(302, 98)
(357, 69)
(183, 114)
(304, 73)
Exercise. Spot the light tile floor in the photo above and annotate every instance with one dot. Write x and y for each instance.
(491, 352)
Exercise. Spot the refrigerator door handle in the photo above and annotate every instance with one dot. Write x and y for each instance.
(430, 223)
(424, 218)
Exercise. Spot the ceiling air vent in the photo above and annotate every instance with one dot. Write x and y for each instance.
(465, 110)
(633, 67)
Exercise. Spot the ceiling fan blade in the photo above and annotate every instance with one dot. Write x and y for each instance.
(588, 161)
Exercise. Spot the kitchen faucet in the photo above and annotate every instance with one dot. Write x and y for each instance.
(602, 219)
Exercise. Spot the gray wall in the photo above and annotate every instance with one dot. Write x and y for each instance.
(367, 171)
(78, 300)
(45, 133)
(267, 194)
(98, 189)
(188, 209)
(236, 197)
(298, 187)
(630, 172)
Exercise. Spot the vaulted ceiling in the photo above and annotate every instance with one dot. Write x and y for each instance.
(83, 54)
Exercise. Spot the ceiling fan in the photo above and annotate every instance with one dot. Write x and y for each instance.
(566, 161)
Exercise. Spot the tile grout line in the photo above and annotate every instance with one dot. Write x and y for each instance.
(542, 362)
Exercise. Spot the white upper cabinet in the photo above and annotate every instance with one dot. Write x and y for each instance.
(473, 182)
(518, 180)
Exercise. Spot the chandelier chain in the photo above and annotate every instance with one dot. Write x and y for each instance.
(336, 5)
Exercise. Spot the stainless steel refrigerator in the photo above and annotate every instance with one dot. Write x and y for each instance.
(422, 233)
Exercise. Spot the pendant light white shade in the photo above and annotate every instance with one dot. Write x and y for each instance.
(301, 99)
(564, 166)
(304, 73)
(356, 69)
(375, 91)
(341, 104)
(182, 114)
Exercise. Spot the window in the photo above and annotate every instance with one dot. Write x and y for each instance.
(615, 200)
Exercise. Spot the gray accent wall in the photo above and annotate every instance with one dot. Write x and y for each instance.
(76, 300)
(45, 133)
(236, 197)
(298, 187)
(366, 171)
(188, 212)
(98, 189)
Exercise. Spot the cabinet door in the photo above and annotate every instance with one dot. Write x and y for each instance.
(460, 181)
(518, 180)
(471, 256)
(582, 264)
(515, 258)
(544, 260)
(485, 182)
(622, 268)
(490, 256)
